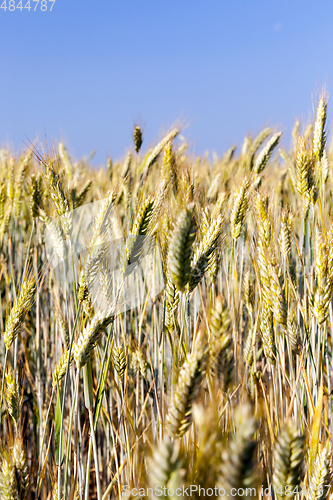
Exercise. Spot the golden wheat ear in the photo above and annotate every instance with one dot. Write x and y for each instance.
(319, 135)
(239, 210)
(239, 467)
(288, 458)
(166, 467)
(119, 361)
(140, 230)
(21, 469)
(19, 310)
(285, 234)
(90, 335)
(201, 258)
(8, 482)
(322, 475)
(60, 370)
(13, 396)
(266, 153)
(156, 152)
(267, 333)
(179, 417)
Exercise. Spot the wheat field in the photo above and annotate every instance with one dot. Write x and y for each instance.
(166, 321)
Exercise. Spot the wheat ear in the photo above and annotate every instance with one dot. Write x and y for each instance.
(257, 142)
(201, 257)
(60, 370)
(267, 333)
(8, 484)
(2, 200)
(179, 415)
(119, 360)
(13, 396)
(166, 467)
(157, 151)
(238, 468)
(266, 153)
(321, 477)
(59, 198)
(90, 335)
(21, 469)
(180, 249)
(288, 457)
(18, 311)
(140, 231)
(319, 136)
(137, 138)
(239, 210)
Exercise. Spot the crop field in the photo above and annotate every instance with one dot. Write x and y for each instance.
(166, 321)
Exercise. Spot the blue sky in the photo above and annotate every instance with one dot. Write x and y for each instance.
(87, 71)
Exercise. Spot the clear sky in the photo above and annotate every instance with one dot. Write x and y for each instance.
(88, 70)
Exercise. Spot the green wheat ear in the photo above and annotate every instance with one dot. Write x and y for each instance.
(36, 196)
(137, 138)
(180, 250)
(137, 240)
